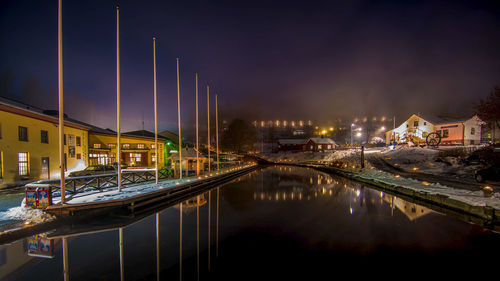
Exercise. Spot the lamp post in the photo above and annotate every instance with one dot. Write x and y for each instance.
(352, 125)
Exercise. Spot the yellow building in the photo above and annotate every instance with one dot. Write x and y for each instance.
(29, 144)
(137, 148)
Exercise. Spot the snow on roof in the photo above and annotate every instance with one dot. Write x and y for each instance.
(187, 152)
(323, 141)
(292, 141)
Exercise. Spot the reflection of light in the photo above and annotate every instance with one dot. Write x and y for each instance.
(357, 193)
(350, 210)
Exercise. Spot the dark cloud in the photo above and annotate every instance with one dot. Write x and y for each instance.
(266, 59)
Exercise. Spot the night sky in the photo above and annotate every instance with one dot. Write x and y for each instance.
(266, 59)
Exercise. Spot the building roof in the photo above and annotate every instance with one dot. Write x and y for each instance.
(323, 141)
(187, 152)
(143, 134)
(442, 119)
(292, 141)
(52, 116)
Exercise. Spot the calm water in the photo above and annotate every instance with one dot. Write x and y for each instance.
(276, 223)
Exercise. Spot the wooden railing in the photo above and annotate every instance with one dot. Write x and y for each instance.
(98, 182)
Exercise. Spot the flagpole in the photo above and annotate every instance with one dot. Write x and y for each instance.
(61, 102)
(156, 112)
(217, 130)
(208, 117)
(179, 117)
(118, 145)
(197, 145)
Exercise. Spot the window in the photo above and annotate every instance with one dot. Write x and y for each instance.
(111, 145)
(153, 146)
(153, 157)
(425, 123)
(126, 146)
(329, 146)
(23, 160)
(319, 146)
(140, 146)
(97, 145)
(23, 133)
(44, 136)
(446, 133)
(472, 131)
(78, 156)
(471, 141)
(415, 123)
(78, 141)
(64, 139)
(439, 132)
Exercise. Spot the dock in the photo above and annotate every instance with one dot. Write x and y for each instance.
(165, 191)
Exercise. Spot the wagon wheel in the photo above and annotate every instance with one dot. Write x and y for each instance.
(433, 139)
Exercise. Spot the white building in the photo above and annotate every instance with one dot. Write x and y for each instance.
(453, 131)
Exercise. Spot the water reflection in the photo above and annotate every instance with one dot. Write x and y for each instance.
(176, 242)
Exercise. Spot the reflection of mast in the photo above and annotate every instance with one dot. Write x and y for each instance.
(122, 273)
(65, 258)
(198, 237)
(209, 201)
(217, 229)
(180, 242)
(158, 246)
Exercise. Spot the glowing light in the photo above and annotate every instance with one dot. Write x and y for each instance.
(358, 134)
(425, 183)
(415, 168)
(382, 128)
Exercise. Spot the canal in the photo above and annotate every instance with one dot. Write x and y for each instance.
(275, 223)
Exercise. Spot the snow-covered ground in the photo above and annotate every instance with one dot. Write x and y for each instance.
(475, 198)
(429, 161)
(307, 156)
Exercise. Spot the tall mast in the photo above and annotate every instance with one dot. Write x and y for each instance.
(208, 117)
(61, 102)
(156, 112)
(197, 145)
(179, 118)
(217, 130)
(118, 145)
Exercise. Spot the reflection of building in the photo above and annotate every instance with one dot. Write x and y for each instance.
(29, 143)
(452, 130)
(411, 210)
(137, 148)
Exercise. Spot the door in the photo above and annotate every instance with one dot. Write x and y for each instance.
(45, 169)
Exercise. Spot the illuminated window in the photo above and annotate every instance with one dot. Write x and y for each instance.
(319, 146)
(126, 145)
(23, 133)
(329, 146)
(23, 160)
(44, 136)
(446, 133)
(140, 146)
(153, 146)
(97, 145)
(472, 131)
(111, 145)
(153, 157)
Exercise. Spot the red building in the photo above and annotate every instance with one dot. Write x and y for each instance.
(320, 144)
